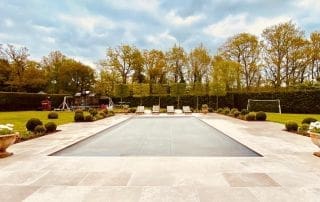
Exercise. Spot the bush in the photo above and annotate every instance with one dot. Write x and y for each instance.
(32, 124)
(220, 110)
(210, 109)
(99, 116)
(250, 116)
(105, 111)
(291, 126)
(304, 128)
(78, 117)
(39, 129)
(53, 115)
(88, 118)
(78, 111)
(51, 127)
(111, 113)
(309, 120)
(226, 111)
(236, 114)
(104, 115)
(132, 110)
(233, 110)
(244, 112)
(261, 116)
(93, 112)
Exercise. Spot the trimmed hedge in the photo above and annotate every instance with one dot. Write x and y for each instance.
(26, 101)
(306, 101)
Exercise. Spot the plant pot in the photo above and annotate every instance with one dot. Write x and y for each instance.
(315, 138)
(5, 142)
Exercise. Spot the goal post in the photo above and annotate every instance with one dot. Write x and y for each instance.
(267, 104)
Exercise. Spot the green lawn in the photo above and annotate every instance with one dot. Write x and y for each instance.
(19, 119)
(283, 118)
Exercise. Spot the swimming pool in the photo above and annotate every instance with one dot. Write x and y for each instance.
(159, 136)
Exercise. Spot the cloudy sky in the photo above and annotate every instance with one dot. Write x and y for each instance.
(83, 29)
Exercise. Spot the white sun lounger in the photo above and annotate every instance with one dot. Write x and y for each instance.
(170, 109)
(140, 110)
(186, 109)
(156, 109)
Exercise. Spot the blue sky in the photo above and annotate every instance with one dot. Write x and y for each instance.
(84, 29)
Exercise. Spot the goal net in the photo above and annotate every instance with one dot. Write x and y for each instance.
(264, 105)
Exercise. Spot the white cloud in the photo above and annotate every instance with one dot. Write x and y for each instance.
(175, 19)
(88, 22)
(138, 5)
(43, 28)
(85, 61)
(234, 24)
(161, 40)
(308, 4)
(8, 22)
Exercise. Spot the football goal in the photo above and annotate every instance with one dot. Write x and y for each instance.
(264, 105)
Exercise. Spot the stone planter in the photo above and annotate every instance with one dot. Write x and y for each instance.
(315, 137)
(5, 142)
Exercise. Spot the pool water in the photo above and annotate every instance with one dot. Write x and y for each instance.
(159, 136)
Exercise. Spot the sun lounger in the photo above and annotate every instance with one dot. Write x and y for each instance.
(140, 110)
(170, 109)
(186, 110)
(156, 109)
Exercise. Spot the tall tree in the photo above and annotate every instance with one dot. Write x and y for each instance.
(17, 57)
(199, 61)
(123, 59)
(5, 72)
(277, 41)
(176, 59)
(76, 77)
(315, 56)
(244, 49)
(225, 71)
(155, 65)
(34, 78)
(53, 64)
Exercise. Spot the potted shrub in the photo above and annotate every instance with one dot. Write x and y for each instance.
(314, 131)
(7, 138)
(205, 108)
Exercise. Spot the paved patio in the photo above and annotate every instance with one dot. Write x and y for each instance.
(287, 171)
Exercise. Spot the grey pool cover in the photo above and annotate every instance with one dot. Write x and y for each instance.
(159, 136)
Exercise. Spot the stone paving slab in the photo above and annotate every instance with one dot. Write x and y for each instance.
(287, 171)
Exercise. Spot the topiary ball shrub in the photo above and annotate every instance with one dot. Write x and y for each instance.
(220, 110)
(251, 116)
(39, 130)
(111, 113)
(226, 111)
(308, 120)
(78, 111)
(93, 112)
(261, 116)
(244, 112)
(236, 114)
(32, 123)
(291, 126)
(233, 110)
(78, 117)
(51, 127)
(53, 115)
(88, 118)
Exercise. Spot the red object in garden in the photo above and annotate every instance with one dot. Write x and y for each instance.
(46, 105)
